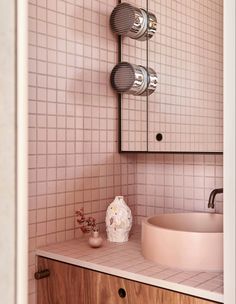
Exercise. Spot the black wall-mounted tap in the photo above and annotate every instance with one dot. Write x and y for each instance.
(211, 201)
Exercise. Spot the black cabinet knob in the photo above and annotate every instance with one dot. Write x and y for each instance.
(122, 292)
(159, 137)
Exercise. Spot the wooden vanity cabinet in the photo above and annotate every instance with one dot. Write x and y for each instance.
(62, 286)
(69, 284)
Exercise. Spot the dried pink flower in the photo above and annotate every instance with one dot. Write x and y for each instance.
(85, 224)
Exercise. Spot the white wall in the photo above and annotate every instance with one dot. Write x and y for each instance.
(7, 152)
(13, 151)
(22, 152)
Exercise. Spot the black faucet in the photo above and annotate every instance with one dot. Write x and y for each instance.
(211, 201)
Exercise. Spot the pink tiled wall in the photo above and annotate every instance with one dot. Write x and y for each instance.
(177, 183)
(73, 151)
(73, 130)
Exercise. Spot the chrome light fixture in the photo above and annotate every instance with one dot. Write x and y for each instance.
(136, 23)
(133, 79)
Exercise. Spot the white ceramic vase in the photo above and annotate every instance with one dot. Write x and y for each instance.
(118, 220)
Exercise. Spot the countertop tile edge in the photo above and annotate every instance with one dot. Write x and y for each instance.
(192, 291)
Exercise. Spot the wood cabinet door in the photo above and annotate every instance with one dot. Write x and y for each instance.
(104, 289)
(184, 299)
(63, 286)
(108, 289)
(68, 284)
(139, 293)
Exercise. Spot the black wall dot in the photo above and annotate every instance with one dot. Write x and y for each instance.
(159, 137)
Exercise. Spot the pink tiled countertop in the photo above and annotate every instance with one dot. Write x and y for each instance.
(125, 260)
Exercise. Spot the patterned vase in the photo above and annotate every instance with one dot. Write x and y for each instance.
(118, 220)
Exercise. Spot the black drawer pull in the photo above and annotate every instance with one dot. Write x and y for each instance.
(122, 293)
(42, 274)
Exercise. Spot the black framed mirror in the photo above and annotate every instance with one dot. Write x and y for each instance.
(184, 114)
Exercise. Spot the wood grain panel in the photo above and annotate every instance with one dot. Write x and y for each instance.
(103, 289)
(141, 293)
(184, 299)
(170, 297)
(68, 284)
(63, 286)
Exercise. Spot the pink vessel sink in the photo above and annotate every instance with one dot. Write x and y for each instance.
(190, 241)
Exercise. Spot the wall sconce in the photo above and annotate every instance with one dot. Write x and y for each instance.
(136, 23)
(133, 79)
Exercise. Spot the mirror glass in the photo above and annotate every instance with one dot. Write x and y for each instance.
(185, 112)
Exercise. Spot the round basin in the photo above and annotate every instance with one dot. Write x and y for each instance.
(189, 241)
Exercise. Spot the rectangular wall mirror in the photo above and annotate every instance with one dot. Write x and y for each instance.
(185, 112)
